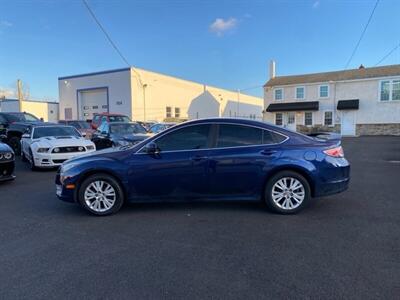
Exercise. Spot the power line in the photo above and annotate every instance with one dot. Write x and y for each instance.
(105, 32)
(362, 34)
(387, 55)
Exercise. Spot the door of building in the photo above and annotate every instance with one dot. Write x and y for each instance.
(290, 120)
(348, 126)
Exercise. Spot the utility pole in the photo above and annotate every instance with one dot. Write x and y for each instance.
(144, 102)
(20, 95)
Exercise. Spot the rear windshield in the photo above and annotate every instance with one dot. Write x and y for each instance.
(21, 117)
(56, 131)
(119, 119)
(127, 128)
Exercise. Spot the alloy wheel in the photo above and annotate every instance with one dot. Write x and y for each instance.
(100, 196)
(288, 193)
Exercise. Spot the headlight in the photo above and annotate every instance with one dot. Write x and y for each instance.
(42, 150)
(56, 150)
(91, 147)
(67, 167)
(7, 155)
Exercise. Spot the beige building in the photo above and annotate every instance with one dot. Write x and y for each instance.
(146, 96)
(364, 101)
(48, 111)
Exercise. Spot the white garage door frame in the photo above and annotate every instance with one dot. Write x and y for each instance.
(78, 91)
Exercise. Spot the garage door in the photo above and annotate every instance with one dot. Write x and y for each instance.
(91, 102)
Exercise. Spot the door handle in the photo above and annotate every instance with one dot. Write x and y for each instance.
(268, 152)
(198, 158)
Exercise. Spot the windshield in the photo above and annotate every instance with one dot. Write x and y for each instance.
(80, 124)
(119, 119)
(127, 128)
(40, 132)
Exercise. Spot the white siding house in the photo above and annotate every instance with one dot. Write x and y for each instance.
(364, 101)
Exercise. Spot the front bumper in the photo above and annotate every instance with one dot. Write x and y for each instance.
(7, 171)
(51, 160)
(64, 194)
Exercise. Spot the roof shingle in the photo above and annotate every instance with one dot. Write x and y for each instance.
(363, 73)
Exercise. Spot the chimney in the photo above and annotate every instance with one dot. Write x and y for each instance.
(271, 69)
(361, 67)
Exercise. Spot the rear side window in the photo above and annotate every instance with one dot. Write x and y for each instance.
(230, 135)
(238, 135)
(187, 138)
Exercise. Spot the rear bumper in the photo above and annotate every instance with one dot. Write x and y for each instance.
(334, 178)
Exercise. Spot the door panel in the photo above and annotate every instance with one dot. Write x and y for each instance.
(172, 175)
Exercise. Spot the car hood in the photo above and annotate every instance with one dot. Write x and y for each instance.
(62, 141)
(5, 148)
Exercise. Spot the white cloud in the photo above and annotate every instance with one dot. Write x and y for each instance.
(221, 26)
(5, 23)
(7, 93)
(316, 4)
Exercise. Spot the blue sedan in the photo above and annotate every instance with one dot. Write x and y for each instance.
(210, 159)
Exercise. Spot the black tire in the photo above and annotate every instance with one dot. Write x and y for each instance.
(23, 157)
(119, 200)
(278, 207)
(15, 144)
(32, 161)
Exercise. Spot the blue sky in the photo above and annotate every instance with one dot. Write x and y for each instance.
(222, 43)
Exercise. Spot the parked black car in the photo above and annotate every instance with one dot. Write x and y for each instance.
(13, 125)
(7, 162)
(118, 134)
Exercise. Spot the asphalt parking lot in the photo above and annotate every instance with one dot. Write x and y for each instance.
(343, 246)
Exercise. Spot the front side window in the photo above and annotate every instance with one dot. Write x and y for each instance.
(168, 112)
(323, 91)
(187, 138)
(328, 118)
(308, 118)
(278, 94)
(30, 118)
(300, 92)
(279, 119)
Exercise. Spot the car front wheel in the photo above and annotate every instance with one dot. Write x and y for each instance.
(287, 192)
(101, 195)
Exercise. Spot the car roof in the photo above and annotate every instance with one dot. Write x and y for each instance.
(50, 125)
(123, 123)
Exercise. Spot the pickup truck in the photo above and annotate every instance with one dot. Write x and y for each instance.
(13, 125)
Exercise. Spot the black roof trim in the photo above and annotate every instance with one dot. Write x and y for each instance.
(348, 104)
(293, 106)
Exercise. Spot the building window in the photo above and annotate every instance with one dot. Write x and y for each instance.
(308, 118)
(168, 112)
(177, 112)
(300, 92)
(279, 119)
(323, 91)
(390, 90)
(328, 118)
(278, 94)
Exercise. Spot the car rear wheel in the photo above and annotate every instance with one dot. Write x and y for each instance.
(287, 192)
(101, 195)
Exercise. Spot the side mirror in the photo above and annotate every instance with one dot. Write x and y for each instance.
(151, 148)
(41, 120)
(26, 136)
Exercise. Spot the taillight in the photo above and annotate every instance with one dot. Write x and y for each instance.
(335, 152)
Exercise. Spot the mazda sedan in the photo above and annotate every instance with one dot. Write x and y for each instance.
(209, 160)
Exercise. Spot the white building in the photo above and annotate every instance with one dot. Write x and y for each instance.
(364, 101)
(145, 95)
(48, 111)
